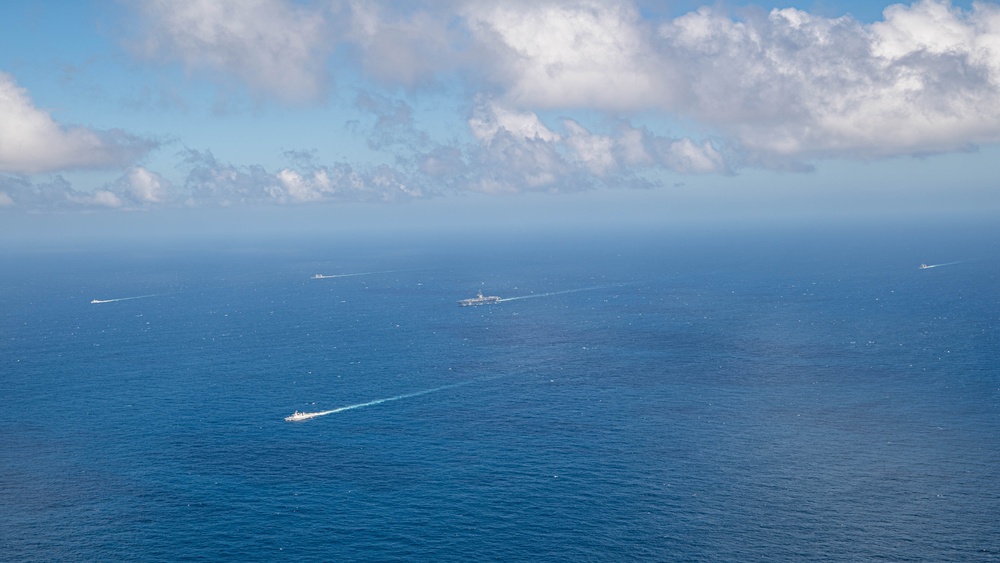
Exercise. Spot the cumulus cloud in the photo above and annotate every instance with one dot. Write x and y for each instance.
(517, 151)
(556, 92)
(571, 54)
(276, 47)
(146, 186)
(592, 151)
(32, 142)
(305, 189)
(406, 44)
(343, 183)
(21, 192)
(98, 198)
(213, 183)
(688, 157)
(792, 86)
(511, 163)
(140, 187)
(489, 118)
(780, 89)
(775, 89)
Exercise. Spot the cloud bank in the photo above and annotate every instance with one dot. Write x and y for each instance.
(777, 89)
(277, 48)
(32, 142)
(212, 183)
(791, 87)
(555, 95)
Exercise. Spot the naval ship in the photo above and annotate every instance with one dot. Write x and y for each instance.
(300, 416)
(480, 299)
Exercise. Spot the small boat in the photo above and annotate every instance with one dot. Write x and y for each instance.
(300, 416)
(479, 299)
(924, 267)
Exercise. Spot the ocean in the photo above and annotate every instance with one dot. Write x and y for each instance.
(795, 394)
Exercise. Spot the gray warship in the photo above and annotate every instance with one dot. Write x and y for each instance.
(479, 299)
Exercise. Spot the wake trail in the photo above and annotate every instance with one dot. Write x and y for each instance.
(303, 416)
(929, 266)
(559, 292)
(98, 301)
(331, 276)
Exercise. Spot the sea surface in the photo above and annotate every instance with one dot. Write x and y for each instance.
(785, 395)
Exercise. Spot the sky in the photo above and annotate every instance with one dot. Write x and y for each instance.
(283, 113)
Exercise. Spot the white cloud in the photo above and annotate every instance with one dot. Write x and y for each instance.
(32, 142)
(593, 151)
(510, 163)
(341, 182)
(489, 118)
(276, 47)
(210, 183)
(631, 144)
(405, 47)
(518, 152)
(792, 86)
(777, 89)
(99, 198)
(56, 193)
(928, 26)
(543, 79)
(145, 186)
(781, 89)
(687, 157)
(213, 183)
(137, 188)
(569, 54)
(305, 189)
(106, 198)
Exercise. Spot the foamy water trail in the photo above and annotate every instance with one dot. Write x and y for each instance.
(331, 276)
(303, 416)
(558, 292)
(127, 298)
(929, 266)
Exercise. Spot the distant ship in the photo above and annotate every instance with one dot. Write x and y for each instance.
(924, 266)
(319, 277)
(480, 299)
(300, 416)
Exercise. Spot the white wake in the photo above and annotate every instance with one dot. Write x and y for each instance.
(331, 276)
(127, 298)
(558, 292)
(929, 266)
(303, 416)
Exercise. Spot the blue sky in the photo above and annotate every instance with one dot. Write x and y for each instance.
(668, 111)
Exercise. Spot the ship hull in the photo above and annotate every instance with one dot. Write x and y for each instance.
(479, 300)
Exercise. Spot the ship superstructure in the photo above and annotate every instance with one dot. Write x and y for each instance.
(480, 299)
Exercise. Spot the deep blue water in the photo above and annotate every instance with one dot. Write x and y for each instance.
(662, 396)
